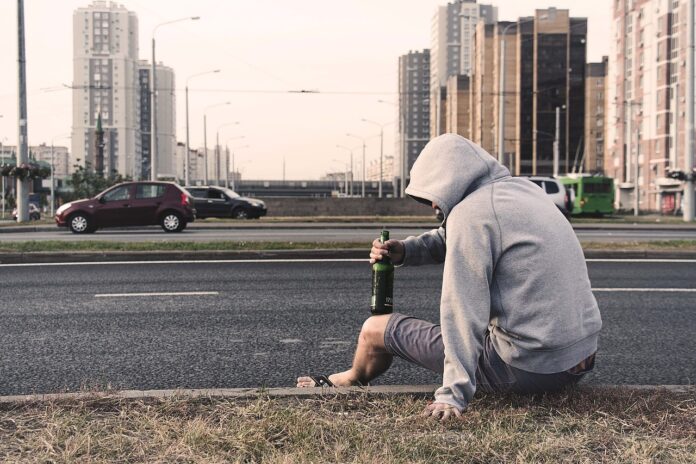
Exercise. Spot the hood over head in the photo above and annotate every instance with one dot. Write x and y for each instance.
(449, 168)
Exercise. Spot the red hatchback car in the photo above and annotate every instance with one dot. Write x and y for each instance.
(130, 204)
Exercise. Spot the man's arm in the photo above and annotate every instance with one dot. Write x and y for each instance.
(465, 304)
(427, 248)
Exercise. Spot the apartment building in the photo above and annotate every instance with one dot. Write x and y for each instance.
(646, 102)
(413, 109)
(595, 120)
(451, 51)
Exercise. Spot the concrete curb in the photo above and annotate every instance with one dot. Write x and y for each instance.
(124, 256)
(318, 392)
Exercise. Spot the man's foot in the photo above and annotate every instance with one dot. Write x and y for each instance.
(340, 379)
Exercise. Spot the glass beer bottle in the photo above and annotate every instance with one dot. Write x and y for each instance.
(383, 283)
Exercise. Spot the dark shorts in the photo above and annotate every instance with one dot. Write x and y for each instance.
(420, 342)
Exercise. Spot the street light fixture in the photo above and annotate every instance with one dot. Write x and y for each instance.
(187, 181)
(205, 139)
(217, 149)
(352, 180)
(153, 97)
(362, 139)
(381, 150)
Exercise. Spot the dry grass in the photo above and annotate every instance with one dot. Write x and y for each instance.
(576, 426)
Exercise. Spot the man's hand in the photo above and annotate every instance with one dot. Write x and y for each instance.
(392, 248)
(441, 411)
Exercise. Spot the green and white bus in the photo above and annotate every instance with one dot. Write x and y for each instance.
(594, 195)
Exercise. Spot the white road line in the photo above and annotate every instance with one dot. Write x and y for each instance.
(298, 260)
(195, 261)
(117, 295)
(645, 290)
(639, 260)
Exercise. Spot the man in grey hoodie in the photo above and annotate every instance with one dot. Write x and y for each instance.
(517, 311)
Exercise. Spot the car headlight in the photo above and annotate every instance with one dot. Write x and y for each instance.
(63, 208)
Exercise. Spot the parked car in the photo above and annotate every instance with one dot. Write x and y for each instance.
(222, 202)
(130, 204)
(34, 213)
(563, 198)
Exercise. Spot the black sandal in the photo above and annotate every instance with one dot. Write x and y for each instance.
(321, 381)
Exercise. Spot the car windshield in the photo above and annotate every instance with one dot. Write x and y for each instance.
(231, 193)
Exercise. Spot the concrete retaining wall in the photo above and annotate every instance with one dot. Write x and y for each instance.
(346, 207)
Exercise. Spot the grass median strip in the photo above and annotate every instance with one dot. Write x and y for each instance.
(584, 425)
(32, 246)
(99, 246)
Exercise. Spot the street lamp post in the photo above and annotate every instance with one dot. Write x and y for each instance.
(227, 167)
(217, 150)
(352, 181)
(234, 184)
(53, 183)
(501, 89)
(153, 98)
(402, 141)
(187, 180)
(205, 139)
(362, 139)
(381, 150)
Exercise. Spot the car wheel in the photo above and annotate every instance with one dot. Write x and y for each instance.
(172, 222)
(80, 224)
(240, 213)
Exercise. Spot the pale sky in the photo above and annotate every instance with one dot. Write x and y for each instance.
(348, 50)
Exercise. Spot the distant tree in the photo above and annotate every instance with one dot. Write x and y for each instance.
(86, 183)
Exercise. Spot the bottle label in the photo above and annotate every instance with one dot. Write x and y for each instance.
(382, 301)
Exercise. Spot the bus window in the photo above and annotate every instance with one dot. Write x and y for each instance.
(597, 188)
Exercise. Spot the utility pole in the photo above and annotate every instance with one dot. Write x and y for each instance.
(689, 149)
(205, 149)
(22, 148)
(556, 140)
(636, 171)
(227, 167)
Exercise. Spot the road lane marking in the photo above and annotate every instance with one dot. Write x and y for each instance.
(639, 260)
(195, 261)
(303, 260)
(645, 290)
(116, 295)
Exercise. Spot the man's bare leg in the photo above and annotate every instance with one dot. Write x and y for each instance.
(371, 357)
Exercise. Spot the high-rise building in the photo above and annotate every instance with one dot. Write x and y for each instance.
(646, 102)
(109, 82)
(413, 107)
(551, 58)
(483, 84)
(166, 120)
(458, 118)
(452, 31)
(505, 33)
(105, 54)
(595, 125)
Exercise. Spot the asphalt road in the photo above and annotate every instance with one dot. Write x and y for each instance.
(317, 234)
(266, 323)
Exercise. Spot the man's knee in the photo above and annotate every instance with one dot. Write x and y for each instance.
(373, 330)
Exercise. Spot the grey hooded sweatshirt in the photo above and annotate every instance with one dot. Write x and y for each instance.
(512, 266)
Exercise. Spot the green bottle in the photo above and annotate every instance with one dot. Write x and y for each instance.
(383, 283)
